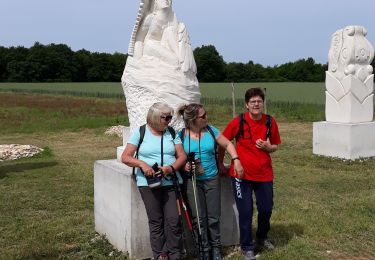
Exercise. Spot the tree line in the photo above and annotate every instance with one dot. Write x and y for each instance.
(59, 63)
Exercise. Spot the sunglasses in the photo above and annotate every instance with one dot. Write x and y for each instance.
(166, 118)
(203, 116)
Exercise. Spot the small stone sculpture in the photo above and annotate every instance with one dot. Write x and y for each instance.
(160, 66)
(349, 79)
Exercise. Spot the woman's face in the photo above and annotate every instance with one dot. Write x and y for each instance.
(161, 4)
(255, 106)
(201, 121)
(165, 119)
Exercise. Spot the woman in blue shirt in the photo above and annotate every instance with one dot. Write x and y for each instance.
(158, 146)
(199, 140)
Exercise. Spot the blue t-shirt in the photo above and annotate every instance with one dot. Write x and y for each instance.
(206, 154)
(150, 152)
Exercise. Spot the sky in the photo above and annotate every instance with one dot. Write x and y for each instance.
(268, 32)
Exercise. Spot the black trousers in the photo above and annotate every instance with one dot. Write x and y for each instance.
(163, 221)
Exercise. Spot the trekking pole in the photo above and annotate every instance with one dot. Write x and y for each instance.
(200, 245)
(180, 202)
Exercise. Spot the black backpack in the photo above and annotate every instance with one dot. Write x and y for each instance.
(243, 121)
(142, 130)
(182, 136)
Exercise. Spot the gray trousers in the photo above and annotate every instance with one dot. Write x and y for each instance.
(163, 221)
(209, 206)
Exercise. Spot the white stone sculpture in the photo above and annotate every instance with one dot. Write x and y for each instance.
(349, 130)
(160, 66)
(349, 79)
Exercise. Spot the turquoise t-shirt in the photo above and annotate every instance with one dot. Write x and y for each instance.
(150, 152)
(207, 152)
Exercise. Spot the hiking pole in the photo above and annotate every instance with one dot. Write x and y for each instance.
(194, 184)
(179, 203)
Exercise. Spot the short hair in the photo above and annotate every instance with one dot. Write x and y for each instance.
(154, 113)
(253, 92)
(189, 113)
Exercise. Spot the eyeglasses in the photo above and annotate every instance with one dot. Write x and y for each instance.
(253, 102)
(166, 118)
(203, 116)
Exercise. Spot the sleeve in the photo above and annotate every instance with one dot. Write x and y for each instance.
(231, 130)
(177, 139)
(275, 135)
(134, 137)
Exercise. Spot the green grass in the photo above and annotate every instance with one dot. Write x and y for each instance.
(284, 91)
(324, 207)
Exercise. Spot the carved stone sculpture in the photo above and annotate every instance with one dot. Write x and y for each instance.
(349, 79)
(160, 66)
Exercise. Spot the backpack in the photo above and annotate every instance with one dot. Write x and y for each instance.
(243, 121)
(142, 130)
(182, 136)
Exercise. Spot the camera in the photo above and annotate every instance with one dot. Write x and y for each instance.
(197, 162)
(155, 180)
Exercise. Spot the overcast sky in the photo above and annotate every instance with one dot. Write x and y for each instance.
(268, 32)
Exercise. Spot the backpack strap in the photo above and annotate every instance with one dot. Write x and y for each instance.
(142, 130)
(172, 131)
(241, 118)
(268, 125)
(215, 144)
(182, 135)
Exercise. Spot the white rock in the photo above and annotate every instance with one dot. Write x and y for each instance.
(10, 152)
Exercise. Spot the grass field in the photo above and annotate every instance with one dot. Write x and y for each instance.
(283, 91)
(324, 208)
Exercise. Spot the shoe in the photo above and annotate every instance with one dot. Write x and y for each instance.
(216, 254)
(266, 243)
(248, 255)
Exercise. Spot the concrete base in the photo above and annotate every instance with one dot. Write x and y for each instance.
(347, 141)
(121, 216)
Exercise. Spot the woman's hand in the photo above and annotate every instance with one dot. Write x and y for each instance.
(187, 167)
(238, 169)
(167, 170)
(147, 170)
(265, 145)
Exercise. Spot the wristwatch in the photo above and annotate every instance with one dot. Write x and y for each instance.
(235, 158)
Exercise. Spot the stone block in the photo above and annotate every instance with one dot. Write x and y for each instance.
(347, 141)
(121, 216)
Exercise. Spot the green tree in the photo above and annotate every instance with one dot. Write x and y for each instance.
(210, 65)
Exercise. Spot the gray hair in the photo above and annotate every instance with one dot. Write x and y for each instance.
(155, 112)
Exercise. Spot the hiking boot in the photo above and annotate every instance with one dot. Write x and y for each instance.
(248, 255)
(265, 243)
(216, 254)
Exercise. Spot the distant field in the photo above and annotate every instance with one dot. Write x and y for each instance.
(279, 91)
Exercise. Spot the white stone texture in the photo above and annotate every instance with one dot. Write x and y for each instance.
(160, 66)
(10, 152)
(349, 79)
(121, 216)
(342, 140)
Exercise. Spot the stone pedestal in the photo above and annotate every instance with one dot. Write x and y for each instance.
(347, 141)
(121, 216)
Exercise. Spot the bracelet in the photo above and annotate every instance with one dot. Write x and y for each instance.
(235, 158)
(173, 169)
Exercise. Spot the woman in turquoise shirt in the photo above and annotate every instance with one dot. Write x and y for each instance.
(199, 140)
(160, 203)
